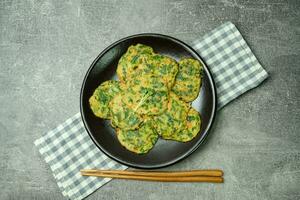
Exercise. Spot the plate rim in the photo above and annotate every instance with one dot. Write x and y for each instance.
(204, 134)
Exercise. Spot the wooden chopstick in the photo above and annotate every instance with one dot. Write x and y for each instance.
(158, 173)
(210, 179)
(179, 176)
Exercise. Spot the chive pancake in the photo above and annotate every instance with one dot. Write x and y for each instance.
(191, 128)
(147, 95)
(173, 119)
(188, 79)
(102, 96)
(133, 61)
(122, 116)
(164, 67)
(139, 141)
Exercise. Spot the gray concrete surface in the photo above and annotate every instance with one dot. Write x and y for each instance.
(47, 46)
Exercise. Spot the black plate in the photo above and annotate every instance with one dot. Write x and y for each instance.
(164, 152)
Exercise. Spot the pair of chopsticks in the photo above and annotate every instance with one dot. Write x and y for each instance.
(211, 176)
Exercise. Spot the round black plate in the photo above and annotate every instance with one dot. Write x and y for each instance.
(165, 152)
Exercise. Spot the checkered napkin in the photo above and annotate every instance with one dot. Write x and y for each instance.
(68, 148)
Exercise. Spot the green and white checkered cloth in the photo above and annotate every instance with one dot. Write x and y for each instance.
(68, 148)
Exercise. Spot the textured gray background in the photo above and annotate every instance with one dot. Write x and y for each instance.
(47, 46)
